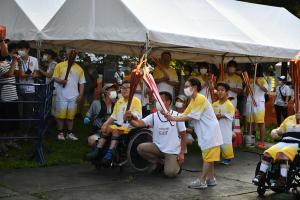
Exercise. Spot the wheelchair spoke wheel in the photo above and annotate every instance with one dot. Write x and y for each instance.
(134, 159)
(261, 190)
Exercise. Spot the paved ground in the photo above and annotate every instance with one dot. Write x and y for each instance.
(85, 182)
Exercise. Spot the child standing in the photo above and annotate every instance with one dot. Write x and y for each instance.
(224, 111)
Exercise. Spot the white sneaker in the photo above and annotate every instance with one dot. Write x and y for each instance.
(197, 184)
(211, 182)
(61, 136)
(71, 136)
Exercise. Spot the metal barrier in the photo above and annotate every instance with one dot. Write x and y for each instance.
(41, 103)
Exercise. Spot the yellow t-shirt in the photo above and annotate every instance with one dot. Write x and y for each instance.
(120, 109)
(205, 122)
(164, 86)
(228, 110)
(76, 76)
(234, 81)
(288, 125)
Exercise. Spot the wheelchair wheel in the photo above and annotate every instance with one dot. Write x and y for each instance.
(261, 190)
(134, 159)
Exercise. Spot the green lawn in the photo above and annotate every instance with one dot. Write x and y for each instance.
(56, 152)
(72, 152)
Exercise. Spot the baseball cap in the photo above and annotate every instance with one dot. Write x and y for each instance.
(107, 86)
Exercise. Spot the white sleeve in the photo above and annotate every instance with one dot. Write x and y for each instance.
(181, 126)
(149, 120)
(35, 64)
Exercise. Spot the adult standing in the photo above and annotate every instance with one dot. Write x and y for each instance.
(49, 57)
(166, 77)
(68, 94)
(234, 81)
(119, 75)
(281, 99)
(207, 128)
(28, 73)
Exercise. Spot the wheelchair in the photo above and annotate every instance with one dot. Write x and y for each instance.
(126, 151)
(293, 178)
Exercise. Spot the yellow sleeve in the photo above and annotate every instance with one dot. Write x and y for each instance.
(239, 81)
(196, 108)
(286, 122)
(262, 81)
(136, 107)
(56, 73)
(116, 110)
(156, 73)
(230, 109)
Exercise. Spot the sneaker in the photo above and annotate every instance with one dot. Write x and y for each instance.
(61, 136)
(226, 162)
(261, 145)
(197, 184)
(71, 136)
(108, 155)
(259, 179)
(211, 182)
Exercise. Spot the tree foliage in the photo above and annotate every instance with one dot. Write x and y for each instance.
(291, 5)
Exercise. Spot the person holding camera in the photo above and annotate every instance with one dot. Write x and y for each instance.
(29, 67)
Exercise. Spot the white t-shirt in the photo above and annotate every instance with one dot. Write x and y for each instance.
(285, 91)
(76, 76)
(165, 136)
(205, 122)
(32, 64)
(259, 94)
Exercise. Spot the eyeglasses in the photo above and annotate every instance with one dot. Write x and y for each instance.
(125, 88)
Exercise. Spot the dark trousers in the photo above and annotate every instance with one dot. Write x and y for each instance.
(8, 110)
(26, 111)
(280, 111)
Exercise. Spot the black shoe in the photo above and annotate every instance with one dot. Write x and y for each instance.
(259, 179)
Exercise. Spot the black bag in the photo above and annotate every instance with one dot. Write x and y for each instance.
(267, 97)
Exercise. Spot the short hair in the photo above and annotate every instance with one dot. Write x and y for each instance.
(232, 63)
(195, 82)
(50, 52)
(12, 46)
(225, 85)
(203, 64)
(126, 81)
(167, 53)
(167, 95)
(23, 44)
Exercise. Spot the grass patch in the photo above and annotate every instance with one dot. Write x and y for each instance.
(56, 152)
(72, 152)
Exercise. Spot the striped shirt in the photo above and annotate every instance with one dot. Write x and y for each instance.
(7, 92)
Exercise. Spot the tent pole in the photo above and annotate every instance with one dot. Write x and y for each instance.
(38, 48)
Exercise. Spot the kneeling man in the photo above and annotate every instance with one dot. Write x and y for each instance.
(169, 138)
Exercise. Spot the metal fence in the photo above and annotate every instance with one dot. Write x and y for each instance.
(40, 105)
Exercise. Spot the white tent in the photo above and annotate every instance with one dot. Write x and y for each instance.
(17, 23)
(24, 19)
(190, 29)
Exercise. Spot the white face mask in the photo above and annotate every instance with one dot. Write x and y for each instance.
(188, 92)
(113, 95)
(178, 104)
(45, 57)
(158, 106)
(21, 53)
(203, 71)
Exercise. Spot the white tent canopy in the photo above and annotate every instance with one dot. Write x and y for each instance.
(190, 29)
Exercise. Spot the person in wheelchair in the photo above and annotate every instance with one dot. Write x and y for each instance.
(99, 112)
(166, 152)
(283, 152)
(115, 125)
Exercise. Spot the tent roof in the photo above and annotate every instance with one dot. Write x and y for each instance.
(190, 29)
(17, 23)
